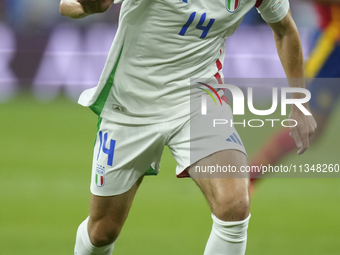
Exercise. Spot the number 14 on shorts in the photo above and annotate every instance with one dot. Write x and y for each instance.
(102, 147)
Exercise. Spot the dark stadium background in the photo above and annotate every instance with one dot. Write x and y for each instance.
(46, 141)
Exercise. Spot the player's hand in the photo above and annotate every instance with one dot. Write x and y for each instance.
(95, 6)
(90, 6)
(303, 130)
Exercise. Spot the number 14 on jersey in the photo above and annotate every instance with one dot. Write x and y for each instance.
(199, 26)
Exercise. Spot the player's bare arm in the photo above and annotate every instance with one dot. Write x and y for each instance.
(77, 9)
(289, 49)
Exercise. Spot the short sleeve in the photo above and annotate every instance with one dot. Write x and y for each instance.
(273, 11)
(117, 1)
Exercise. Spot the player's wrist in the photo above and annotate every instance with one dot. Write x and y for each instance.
(297, 109)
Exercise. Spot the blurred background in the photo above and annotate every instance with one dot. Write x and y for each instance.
(46, 139)
(46, 54)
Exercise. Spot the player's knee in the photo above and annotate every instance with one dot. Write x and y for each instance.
(232, 209)
(104, 234)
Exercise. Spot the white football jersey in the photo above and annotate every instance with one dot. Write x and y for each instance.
(159, 46)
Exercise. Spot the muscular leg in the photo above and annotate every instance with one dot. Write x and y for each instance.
(99, 231)
(229, 202)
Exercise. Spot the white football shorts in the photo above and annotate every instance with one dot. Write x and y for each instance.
(125, 152)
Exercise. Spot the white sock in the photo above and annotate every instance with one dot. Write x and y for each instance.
(85, 247)
(227, 237)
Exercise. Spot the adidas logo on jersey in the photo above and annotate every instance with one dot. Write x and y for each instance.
(234, 139)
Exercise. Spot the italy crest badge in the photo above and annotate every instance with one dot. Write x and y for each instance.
(232, 5)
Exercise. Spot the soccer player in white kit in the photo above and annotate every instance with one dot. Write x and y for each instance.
(142, 100)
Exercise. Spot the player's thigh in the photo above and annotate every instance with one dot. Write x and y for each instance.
(227, 197)
(215, 155)
(108, 215)
(113, 209)
(123, 154)
(198, 137)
